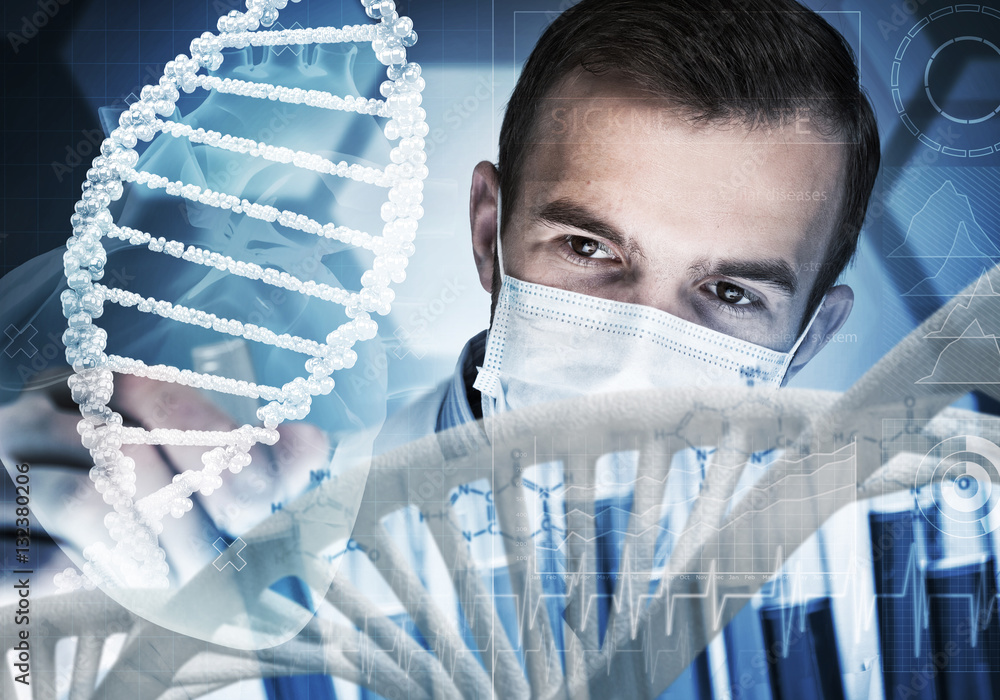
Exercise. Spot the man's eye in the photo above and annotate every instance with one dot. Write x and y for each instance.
(589, 248)
(732, 294)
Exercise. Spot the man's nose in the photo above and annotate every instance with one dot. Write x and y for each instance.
(664, 292)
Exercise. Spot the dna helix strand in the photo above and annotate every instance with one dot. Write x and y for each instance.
(135, 557)
(659, 621)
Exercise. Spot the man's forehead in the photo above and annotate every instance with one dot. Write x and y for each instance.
(610, 108)
(604, 128)
(702, 169)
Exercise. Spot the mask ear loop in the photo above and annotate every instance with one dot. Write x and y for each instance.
(499, 230)
(487, 381)
(805, 333)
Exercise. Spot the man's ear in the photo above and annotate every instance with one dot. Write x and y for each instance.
(483, 217)
(836, 308)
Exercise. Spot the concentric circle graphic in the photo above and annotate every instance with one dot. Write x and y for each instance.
(946, 81)
(967, 503)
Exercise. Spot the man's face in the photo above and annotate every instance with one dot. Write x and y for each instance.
(720, 225)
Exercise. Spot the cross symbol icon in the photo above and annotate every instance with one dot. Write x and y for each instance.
(229, 554)
(20, 340)
(406, 345)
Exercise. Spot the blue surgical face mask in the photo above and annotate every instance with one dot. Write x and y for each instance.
(547, 344)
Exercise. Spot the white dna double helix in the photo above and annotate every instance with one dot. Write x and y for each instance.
(136, 558)
(652, 635)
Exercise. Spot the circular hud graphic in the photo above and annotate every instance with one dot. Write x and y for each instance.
(946, 81)
(968, 501)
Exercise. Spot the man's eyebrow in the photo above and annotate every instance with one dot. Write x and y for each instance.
(775, 272)
(564, 212)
